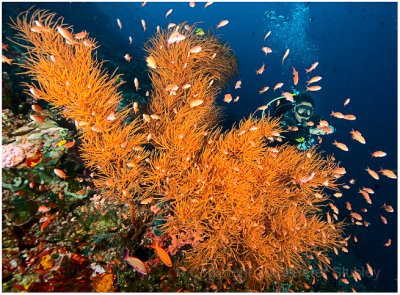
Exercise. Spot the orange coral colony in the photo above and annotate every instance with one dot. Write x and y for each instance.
(248, 211)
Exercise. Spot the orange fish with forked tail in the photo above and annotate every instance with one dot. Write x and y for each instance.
(313, 88)
(378, 154)
(295, 76)
(285, 55)
(313, 66)
(388, 173)
(260, 70)
(341, 146)
(66, 35)
(372, 173)
(162, 254)
(356, 135)
(314, 79)
(136, 263)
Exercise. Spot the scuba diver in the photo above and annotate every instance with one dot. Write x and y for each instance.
(298, 118)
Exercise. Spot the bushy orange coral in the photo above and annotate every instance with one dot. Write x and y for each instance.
(254, 217)
(71, 78)
(249, 212)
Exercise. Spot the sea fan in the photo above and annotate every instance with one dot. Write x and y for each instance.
(248, 211)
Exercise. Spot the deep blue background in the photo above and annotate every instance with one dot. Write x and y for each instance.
(356, 47)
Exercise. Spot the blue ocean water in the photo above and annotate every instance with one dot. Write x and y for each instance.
(356, 47)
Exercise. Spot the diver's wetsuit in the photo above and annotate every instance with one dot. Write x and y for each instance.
(302, 137)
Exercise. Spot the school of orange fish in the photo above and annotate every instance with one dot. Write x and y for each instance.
(355, 217)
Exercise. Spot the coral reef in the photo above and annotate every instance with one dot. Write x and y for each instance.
(232, 208)
(43, 142)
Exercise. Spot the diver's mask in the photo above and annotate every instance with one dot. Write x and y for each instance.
(304, 111)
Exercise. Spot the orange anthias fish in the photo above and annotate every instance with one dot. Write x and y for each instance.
(127, 57)
(349, 117)
(38, 118)
(285, 55)
(260, 70)
(136, 263)
(288, 96)
(88, 43)
(295, 76)
(356, 276)
(264, 89)
(66, 35)
(278, 85)
(146, 118)
(370, 270)
(228, 98)
(43, 209)
(306, 178)
(162, 254)
(135, 107)
(46, 220)
(339, 170)
(175, 37)
(372, 173)
(314, 88)
(208, 4)
(266, 50)
(136, 82)
(388, 208)
(355, 215)
(338, 115)
(368, 190)
(356, 135)
(314, 79)
(348, 206)
(195, 49)
(168, 12)
(378, 154)
(196, 103)
(267, 35)
(151, 62)
(313, 66)
(81, 35)
(222, 23)
(41, 29)
(341, 146)
(60, 173)
(388, 173)
(144, 25)
(365, 196)
(345, 281)
(119, 23)
(238, 84)
(346, 102)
